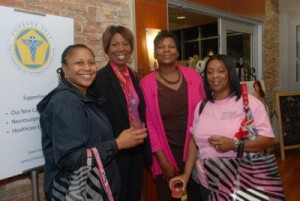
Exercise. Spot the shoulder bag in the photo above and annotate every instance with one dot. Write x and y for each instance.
(84, 184)
(250, 176)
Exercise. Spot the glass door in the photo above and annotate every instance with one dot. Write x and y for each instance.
(240, 41)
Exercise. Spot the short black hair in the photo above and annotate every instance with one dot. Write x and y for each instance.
(165, 34)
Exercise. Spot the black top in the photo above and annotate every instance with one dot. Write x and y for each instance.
(173, 106)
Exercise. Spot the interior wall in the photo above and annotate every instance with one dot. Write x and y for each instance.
(254, 9)
(149, 14)
(222, 5)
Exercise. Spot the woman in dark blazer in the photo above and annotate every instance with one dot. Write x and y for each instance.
(124, 107)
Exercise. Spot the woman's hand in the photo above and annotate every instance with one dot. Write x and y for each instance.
(184, 178)
(221, 143)
(131, 137)
(224, 144)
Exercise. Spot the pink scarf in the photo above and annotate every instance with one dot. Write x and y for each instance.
(125, 81)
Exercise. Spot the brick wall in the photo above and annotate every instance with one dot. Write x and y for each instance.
(271, 50)
(91, 17)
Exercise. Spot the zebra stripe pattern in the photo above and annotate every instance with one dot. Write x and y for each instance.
(82, 185)
(250, 178)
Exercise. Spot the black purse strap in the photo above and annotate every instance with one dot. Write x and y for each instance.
(202, 105)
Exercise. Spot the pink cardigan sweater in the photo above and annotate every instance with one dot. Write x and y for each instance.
(155, 126)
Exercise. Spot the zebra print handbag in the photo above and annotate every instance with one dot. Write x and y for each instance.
(251, 178)
(84, 184)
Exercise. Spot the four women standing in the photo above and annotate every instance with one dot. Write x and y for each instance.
(171, 94)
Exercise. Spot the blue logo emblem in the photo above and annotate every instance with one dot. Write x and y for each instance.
(31, 47)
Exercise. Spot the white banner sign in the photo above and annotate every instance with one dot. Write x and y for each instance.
(30, 52)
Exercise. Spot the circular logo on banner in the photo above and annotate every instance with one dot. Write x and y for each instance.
(31, 47)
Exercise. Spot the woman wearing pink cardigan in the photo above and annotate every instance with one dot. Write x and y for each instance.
(171, 94)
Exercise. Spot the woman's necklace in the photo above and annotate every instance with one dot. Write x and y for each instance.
(168, 81)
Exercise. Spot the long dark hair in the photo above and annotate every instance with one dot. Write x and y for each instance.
(234, 82)
(260, 92)
(66, 53)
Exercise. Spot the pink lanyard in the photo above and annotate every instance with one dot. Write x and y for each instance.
(101, 173)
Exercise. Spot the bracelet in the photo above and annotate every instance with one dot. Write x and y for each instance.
(236, 143)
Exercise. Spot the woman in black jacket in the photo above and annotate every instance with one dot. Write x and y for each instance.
(124, 107)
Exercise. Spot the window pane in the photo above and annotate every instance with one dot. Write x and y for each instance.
(191, 33)
(239, 49)
(178, 35)
(209, 47)
(191, 48)
(209, 30)
(235, 45)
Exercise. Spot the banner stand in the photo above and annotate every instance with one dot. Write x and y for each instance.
(34, 173)
(35, 185)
